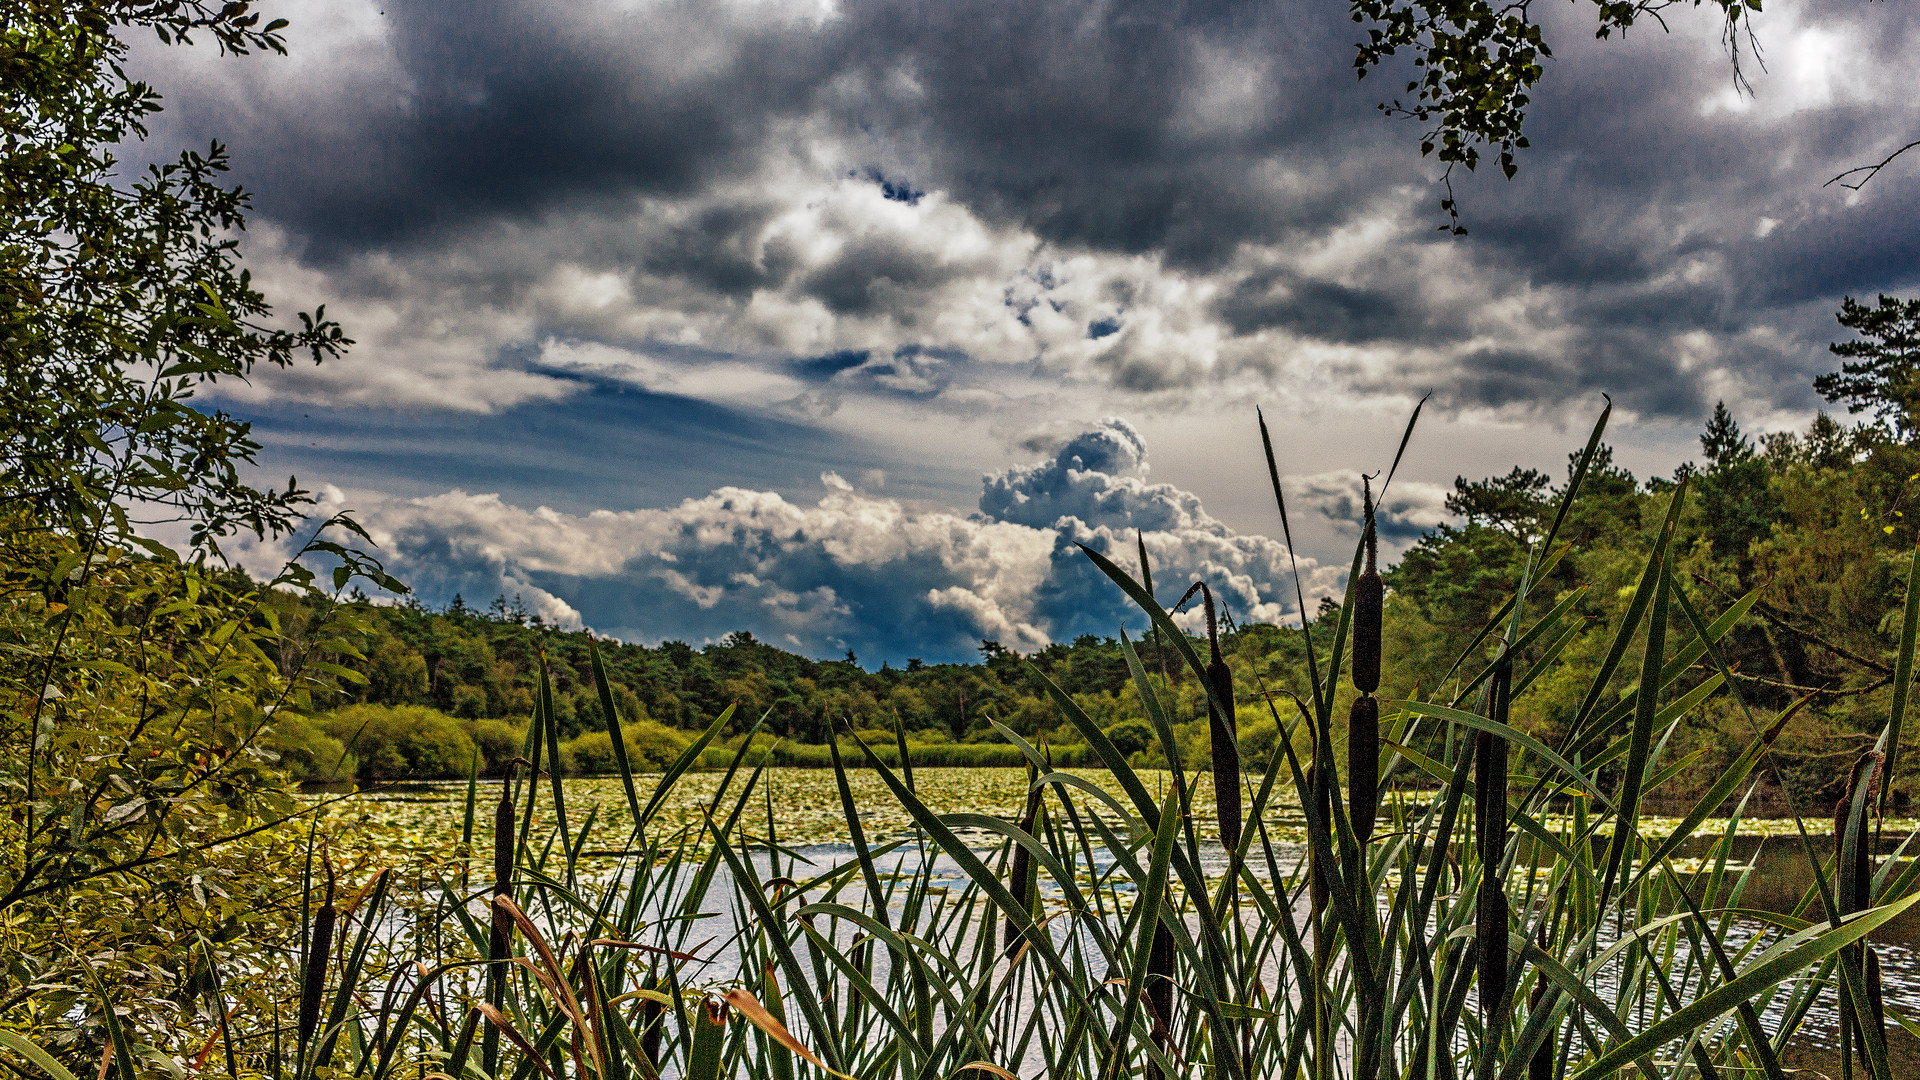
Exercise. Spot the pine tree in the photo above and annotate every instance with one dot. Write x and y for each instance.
(1880, 375)
(1722, 442)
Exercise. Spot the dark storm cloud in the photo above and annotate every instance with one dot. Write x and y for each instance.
(510, 107)
(1084, 123)
(1654, 211)
(1330, 311)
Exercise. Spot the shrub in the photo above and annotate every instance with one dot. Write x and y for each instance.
(499, 741)
(1132, 737)
(651, 747)
(1259, 741)
(396, 742)
(925, 755)
(308, 753)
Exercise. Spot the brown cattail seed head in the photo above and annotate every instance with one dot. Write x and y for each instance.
(318, 950)
(1490, 777)
(653, 1025)
(1222, 727)
(1225, 737)
(1490, 934)
(1369, 601)
(499, 946)
(1363, 765)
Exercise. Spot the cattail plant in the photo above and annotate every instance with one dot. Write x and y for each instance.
(504, 824)
(1363, 719)
(500, 942)
(1382, 992)
(653, 1023)
(1369, 600)
(1363, 765)
(1222, 726)
(313, 985)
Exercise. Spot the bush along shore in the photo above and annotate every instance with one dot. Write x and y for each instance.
(1475, 900)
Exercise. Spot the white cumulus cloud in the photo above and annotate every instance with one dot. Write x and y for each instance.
(853, 570)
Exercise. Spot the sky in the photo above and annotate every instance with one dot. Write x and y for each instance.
(845, 322)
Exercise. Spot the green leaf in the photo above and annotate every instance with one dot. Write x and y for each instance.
(40, 1058)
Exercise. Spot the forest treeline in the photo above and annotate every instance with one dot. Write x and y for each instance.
(1812, 522)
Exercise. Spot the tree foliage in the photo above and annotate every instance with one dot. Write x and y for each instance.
(1881, 374)
(121, 291)
(140, 690)
(1475, 64)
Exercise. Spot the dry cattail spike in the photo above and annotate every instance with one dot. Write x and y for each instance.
(318, 950)
(1490, 776)
(1223, 728)
(1224, 732)
(1369, 600)
(653, 1022)
(1490, 938)
(1160, 992)
(1363, 765)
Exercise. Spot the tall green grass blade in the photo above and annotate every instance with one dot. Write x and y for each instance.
(900, 740)
(551, 730)
(1749, 1019)
(1210, 965)
(116, 1035)
(773, 928)
(983, 878)
(856, 833)
(1628, 800)
(614, 729)
(1579, 475)
(1513, 735)
(1286, 534)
